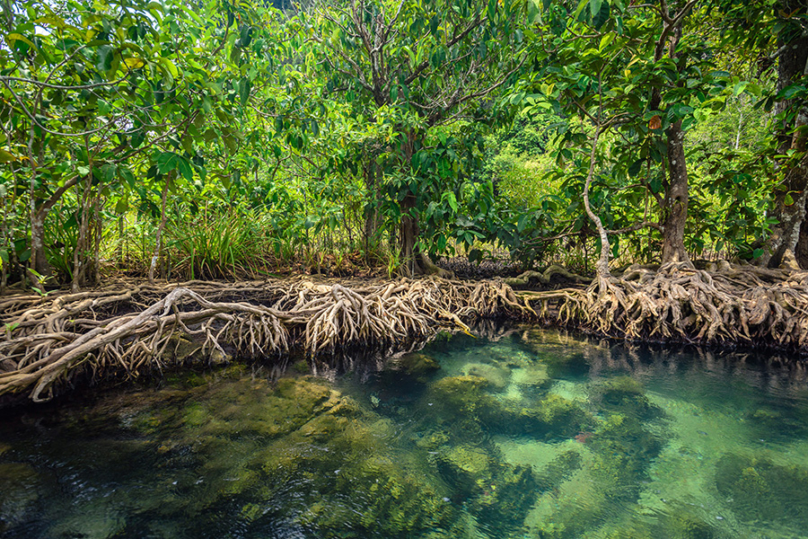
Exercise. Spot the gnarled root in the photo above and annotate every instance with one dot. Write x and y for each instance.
(545, 278)
(48, 340)
(679, 303)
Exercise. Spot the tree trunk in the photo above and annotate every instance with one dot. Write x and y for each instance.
(99, 230)
(408, 236)
(673, 246)
(159, 237)
(790, 197)
(602, 265)
(799, 176)
(371, 173)
(79, 254)
(119, 254)
(38, 261)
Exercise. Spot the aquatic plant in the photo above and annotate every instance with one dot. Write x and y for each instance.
(624, 394)
(498, 376)
(418, 366)
(624, 449)
(22, 480)
(560, 469)
(758, 489)
(462, 398)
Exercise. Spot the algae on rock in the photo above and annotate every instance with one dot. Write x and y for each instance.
(762, 490)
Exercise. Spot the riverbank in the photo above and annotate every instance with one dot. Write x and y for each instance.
(50, 340)
(127, 329)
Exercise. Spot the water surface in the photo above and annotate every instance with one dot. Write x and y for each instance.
(534, 434)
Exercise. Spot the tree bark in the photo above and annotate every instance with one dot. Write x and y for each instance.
(79, 254)
(99, 230)
(38, 261)
(160, 228)
(602, 265)
(371, 173)
(790, 197)
(673, 246)
(408, 236)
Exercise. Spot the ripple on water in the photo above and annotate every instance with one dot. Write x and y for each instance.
(537, 435)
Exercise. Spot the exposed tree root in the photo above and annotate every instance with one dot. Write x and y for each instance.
(49, 340)
(679, 303)
(529, 277)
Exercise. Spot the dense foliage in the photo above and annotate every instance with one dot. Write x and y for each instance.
(231, 139)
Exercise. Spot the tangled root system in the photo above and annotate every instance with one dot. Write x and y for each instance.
(50, 340)
(739, 305)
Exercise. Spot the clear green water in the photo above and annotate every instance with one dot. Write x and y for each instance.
(534, 435)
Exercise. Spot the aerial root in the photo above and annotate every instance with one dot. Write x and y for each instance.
(680, 303)
(50, 340)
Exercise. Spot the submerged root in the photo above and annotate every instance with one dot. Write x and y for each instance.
(49, 340)
(679, 303)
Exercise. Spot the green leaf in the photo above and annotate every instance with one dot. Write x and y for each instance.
(635, 168)
(522, 223)
(244, 88)
(246, 35)
(108, 172)
(433, 25)
(452, 200)
(605, 41)
(757, 253)
(166, 162)
(105, 56)
(594, 7)
(185, 168)
(6, 157)
(12, 38)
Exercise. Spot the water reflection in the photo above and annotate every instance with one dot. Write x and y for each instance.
(521, 432)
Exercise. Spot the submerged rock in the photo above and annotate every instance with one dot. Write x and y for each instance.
(19, 488)
(497, 376)
(466, 468)
(624, 450)
(626, 395)
(459, 396)
(417, 365)
(758, 489)
(784, 423)
(461, 399)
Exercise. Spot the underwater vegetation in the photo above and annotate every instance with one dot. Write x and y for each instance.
(492, 440)
(758, 489)
(625, 395)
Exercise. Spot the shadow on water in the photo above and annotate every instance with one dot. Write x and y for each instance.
(519, 432)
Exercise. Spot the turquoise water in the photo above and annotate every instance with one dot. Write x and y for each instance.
(532, 434)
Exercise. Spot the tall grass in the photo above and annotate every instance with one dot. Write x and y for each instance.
(61, 237)
(219, 245)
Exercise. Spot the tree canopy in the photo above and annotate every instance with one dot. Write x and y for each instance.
(228, 138)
